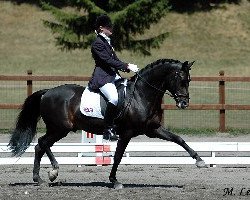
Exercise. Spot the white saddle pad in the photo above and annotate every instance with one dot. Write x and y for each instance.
(90, 104)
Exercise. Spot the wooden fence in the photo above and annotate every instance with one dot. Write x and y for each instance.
(221, 106)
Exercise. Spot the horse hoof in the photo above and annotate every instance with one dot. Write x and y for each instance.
(118, 185)
(53, 174)
(201, 164)
(38, 180)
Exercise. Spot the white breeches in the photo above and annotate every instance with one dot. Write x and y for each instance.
(110, 92)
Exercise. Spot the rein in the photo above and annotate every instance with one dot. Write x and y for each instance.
(165, 92)
(129, 102)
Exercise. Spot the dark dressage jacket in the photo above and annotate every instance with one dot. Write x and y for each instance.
(106, 63)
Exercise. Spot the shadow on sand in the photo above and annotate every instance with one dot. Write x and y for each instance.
(98, 184)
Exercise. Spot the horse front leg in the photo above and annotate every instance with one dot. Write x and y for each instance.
(165, 134)
(120, 149)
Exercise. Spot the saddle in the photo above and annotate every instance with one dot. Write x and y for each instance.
(94, 103)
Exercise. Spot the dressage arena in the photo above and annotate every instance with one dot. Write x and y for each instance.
(140, 181)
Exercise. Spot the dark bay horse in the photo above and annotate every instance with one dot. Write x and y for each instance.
(142, 113)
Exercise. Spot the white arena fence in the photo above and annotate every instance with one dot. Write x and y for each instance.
(236, 153)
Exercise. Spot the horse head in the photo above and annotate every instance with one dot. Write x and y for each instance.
(180, 84)
(166, 74)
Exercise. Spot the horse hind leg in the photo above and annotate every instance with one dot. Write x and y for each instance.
(43, 146)
(54, 172)
(39, 152)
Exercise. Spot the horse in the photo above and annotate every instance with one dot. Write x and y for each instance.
(141, 115)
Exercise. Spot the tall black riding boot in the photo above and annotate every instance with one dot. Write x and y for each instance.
(109, 132)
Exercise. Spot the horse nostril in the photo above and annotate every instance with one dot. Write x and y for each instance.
(184, 104)
(181, 103)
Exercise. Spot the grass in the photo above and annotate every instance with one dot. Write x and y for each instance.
(216, 40)
(207, 132)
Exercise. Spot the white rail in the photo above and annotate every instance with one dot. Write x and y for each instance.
(102, 155)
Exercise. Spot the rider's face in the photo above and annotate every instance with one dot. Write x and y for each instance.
(106, 30)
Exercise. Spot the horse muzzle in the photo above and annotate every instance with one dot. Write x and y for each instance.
(182, 104)
(182, 101)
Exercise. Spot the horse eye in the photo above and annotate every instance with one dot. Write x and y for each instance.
(177, 74)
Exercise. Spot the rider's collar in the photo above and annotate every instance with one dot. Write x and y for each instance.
(106, 37)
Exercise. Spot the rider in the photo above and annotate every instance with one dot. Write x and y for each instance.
(106, 71)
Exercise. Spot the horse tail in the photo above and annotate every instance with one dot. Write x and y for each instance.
(26, 124)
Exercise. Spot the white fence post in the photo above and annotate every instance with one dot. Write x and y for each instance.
(213, 156)
(91, 138)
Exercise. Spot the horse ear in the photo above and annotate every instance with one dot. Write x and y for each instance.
(188, 65)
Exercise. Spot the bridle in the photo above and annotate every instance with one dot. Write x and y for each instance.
(175, 95)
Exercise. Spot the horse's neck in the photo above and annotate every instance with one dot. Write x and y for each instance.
(151, 87)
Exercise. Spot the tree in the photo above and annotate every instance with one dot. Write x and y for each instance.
(75, 30)
(198, 5)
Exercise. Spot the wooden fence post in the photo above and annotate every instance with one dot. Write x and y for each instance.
(29, 83)
(222, 127)
(162, 117)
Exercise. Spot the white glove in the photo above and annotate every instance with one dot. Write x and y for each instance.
(133, 67)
